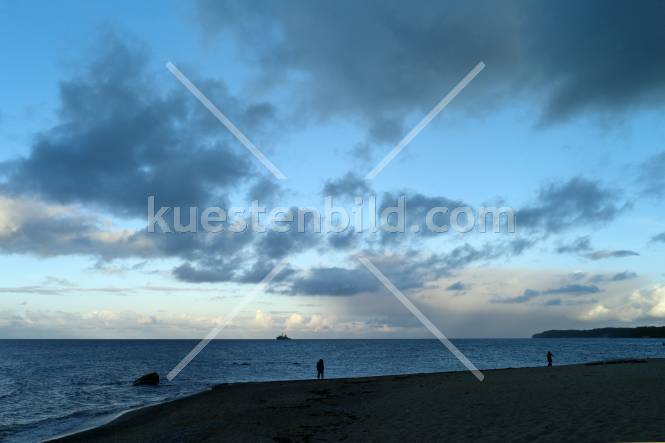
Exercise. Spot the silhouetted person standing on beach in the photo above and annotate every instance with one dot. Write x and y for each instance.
(549, 358)
(319, 369)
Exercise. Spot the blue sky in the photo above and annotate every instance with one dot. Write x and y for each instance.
(569, 135)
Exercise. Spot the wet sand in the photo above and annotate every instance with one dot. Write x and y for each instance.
(609, 402)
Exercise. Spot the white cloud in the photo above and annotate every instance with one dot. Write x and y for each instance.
(262, 320)
(653, 299)
(6, 223)
(104, 316)
(104, 323)
(294, 321)
(47, 229)
(658, 309)
(639, 306)
(598, 312)
(318, 322)
(147, 320)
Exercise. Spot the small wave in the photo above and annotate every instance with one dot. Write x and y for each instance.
(107, 417)
(8, 394)
(46, 427)
(99, 383)
(82, 413)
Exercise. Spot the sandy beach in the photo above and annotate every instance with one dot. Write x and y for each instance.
(608, 402)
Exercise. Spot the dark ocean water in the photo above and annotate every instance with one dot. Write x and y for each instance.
(50, 387)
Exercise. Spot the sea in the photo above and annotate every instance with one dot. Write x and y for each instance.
(50, 388)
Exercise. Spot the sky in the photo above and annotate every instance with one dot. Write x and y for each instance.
(563, 126)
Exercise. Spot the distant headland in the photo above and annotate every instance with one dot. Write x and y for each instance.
(638, 332)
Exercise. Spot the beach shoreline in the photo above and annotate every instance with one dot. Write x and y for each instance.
(590, 402)
(108, 418)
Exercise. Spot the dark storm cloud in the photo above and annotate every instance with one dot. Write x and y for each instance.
(407, 272)
(559, 302)
(49, 235)
(602, 278)
(379, 61)
(530, 294)
(343, 240)
(229, 270)
(574, 203)
(619, 66)
(350, 185)
(239, 257)
(573, 290)
(582, 247)
(625, 275)
(580, 244)
(119, 139)
(335, 281)
(463, 255)
(261, 269)
(273, 244)
(651, 176)
(245, 257)
(280, 244)
(527, 295)
(457, 287)
(361, 152)
(619, 276)
(600, 255)
(52, 230)
(5, 168)
(519, 245)
(416, 208)
(264, 191)
(188, 273)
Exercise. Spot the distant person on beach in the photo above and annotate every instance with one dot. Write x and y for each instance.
(319, 369)
(549, 358)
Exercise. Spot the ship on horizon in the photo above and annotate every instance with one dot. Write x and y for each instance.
(283, 336)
